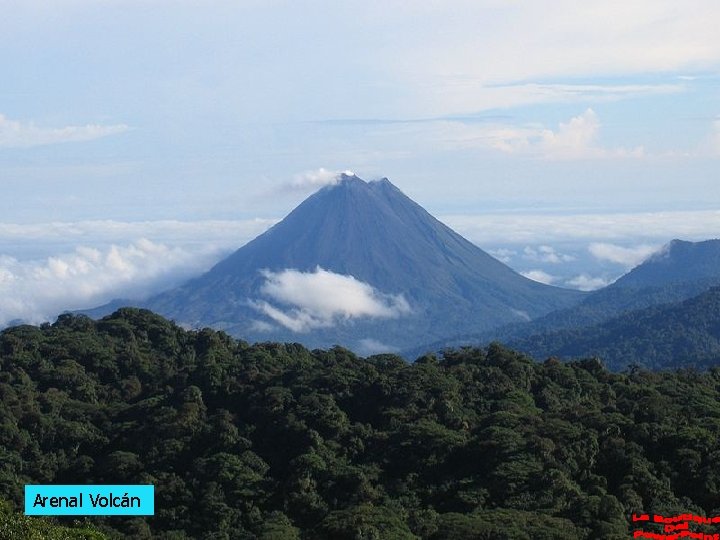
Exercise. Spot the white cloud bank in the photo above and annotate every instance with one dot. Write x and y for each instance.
(577, 139)
(16, 134)
(322, 299)
(37, 291)
(540, 276)
(585, 282)
(626, 256)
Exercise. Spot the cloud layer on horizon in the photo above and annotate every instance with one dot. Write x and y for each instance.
(37, 291)
(484, 229)
(60, 276)
(514, 228)
(58, 237)
(16, 134)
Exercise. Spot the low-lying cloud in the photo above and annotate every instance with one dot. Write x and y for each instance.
(37, 291)
(629, 257)
(16, 134)
(540, 276)
(546, 254)
(319, 299)
(585, 282)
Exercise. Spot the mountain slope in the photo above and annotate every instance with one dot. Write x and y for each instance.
(679, 271)
(403, 259)
(679, 261)
(683, 334)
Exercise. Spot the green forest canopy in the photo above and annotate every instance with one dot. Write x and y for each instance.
(274, 441)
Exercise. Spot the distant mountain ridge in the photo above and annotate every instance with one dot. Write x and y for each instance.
(678, 261)
(395, 252)
(679, 271)
(668, 336)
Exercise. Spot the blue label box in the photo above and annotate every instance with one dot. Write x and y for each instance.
(89, 500)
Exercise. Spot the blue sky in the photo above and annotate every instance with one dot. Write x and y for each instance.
(194, 124)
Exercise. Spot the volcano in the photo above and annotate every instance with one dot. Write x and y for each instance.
(362, 265)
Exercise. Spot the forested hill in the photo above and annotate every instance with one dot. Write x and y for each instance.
(661, 337)
(275, 441)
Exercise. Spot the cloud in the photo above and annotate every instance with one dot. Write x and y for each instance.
(62, 266)
(567, 93)
(584, 282)
(37, 291)
(514, 228)
(322, 299)
(442, 62)
(546, 254)
(595, 39)
(502, 254)
(475, 94)
(575, 139)
(626, 256)
(540, 276)
(16, 134)
(318, 178)
(55, 237)
(193, 246)
(487, 228)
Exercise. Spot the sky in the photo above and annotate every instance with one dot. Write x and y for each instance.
(141, 140)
